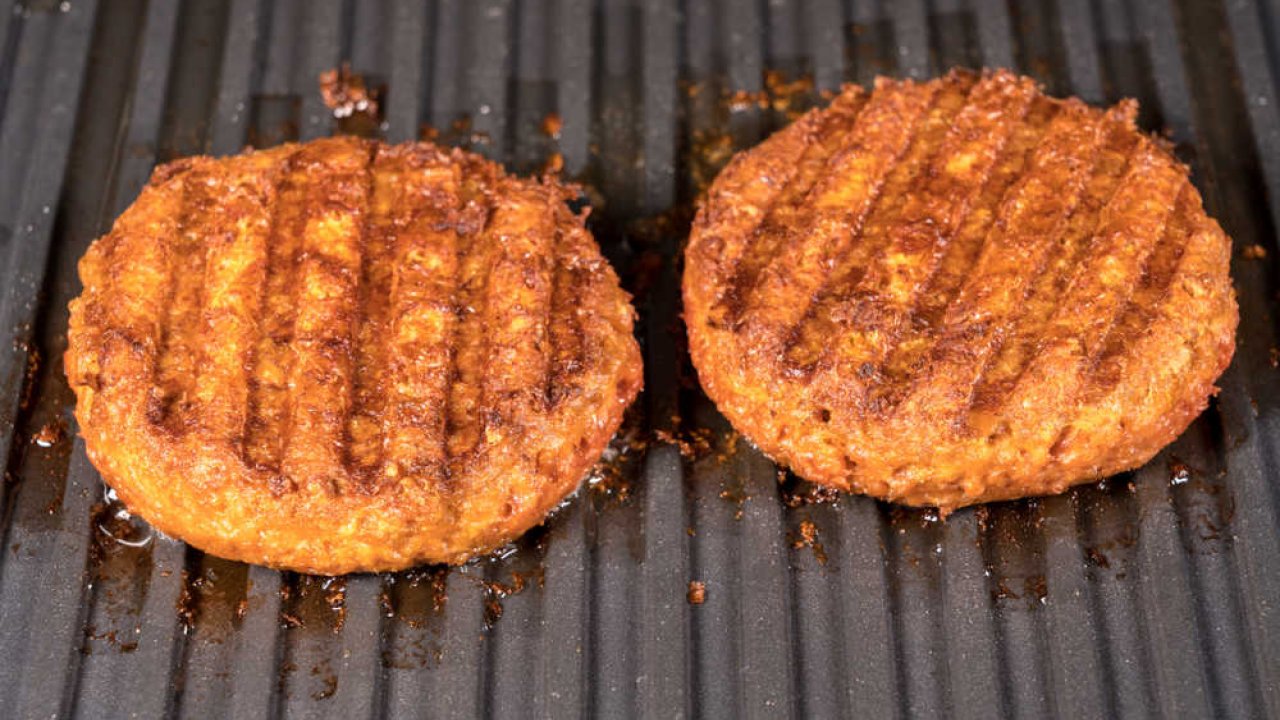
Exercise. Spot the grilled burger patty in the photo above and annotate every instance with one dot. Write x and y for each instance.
(958, 291)
(345, 356)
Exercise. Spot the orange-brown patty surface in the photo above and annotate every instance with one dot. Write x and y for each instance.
(957, 291)
(344, 356)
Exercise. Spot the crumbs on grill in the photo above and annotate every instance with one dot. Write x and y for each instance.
(808, 537)
(551, 125)
(798, 493)
(697, 592)
(495, 592)
(50, 434)
(347, 93)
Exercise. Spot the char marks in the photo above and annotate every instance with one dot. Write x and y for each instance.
(909, 355)
(381, 316)
(179, 347)
(1071, 340)
(515, 363)
(870, 308)
(463, 426)
(126, 314)
(1143, 309)
(423, 192)
(1065, 264)
(235, 272)
(1016, 250)
(805, 153)
(829, 234)
(807, 330)
(321, 378)
(567, 342)
(271, 363)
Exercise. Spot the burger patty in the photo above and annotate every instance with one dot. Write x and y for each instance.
(958, 291)
(345, 356)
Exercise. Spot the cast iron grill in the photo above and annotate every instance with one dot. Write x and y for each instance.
(1155, 593)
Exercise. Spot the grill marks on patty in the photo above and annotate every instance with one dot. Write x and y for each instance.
(920, 222)
(353, 317)
(948, 296)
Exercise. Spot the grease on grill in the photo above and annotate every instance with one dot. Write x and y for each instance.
(495, 592)
(119, 556)
(1034, 590)
(327, 679)
(313, 601)
(29, 373)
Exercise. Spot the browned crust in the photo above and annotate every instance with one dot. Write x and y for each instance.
(993, 295)
(343, 356)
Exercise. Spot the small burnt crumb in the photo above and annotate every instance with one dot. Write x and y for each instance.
(385, 603)
(802, 493)
(1002, 591)
(1255, 252)
(551, 125)
(788, 97)
(693, 444)
(50, 434)
(347, 93)
(428, 132)
(1096, 557)
(186, 605)
(1179, 472)
(697, 592)
(809, 538)
(1273, 357)
(554, 164)
(736, 494)
(335, 596)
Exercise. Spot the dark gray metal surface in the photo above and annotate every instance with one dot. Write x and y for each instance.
(1154, 594)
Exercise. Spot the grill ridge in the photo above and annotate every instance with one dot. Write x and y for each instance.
(1187, 629)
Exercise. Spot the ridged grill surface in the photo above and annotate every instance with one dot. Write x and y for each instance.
(1153, 594)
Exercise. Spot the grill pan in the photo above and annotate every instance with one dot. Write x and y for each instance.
(1153, 594)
